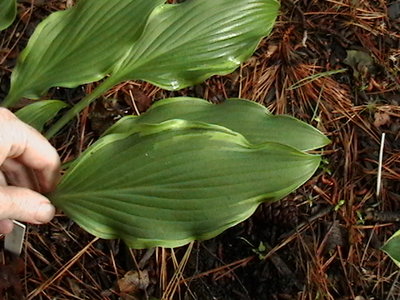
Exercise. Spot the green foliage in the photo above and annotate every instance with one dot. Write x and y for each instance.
(392, 248)
(78, 45)
(245, 117)
(39, 113)
(8, 11)
(186, 169)
(177, 181)
(172, 46)
(185, 44)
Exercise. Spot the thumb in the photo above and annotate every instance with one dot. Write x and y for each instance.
(6, 226)
(24, 205)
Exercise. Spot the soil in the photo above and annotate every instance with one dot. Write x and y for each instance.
(321, 242)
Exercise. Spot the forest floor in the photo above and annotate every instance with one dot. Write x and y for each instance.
(321, 242)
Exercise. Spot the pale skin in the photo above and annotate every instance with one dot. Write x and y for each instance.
(29, 167)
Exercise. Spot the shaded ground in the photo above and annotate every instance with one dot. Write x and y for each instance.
(321, 242)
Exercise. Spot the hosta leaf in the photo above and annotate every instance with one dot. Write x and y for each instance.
(245, 117)
(169, 184)
(39, 113)
(392, 248)
(79, 45)
(8, 11)
(186, 43)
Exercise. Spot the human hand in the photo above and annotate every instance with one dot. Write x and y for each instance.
(29, 165)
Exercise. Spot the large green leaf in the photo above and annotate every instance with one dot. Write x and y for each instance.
(178, 181)
(245, 117)
(8, 11)
(392, 248)
(181, 44)
(186, 43)
(79, 45)
(39, 113)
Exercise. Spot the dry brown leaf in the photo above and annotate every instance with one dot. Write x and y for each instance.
(134, 281)
(381, 119)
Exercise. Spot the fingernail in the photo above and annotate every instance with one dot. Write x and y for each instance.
(45, 213)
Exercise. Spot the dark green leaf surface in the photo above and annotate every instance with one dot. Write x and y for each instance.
(79, 45)
(39, 113)
(182, 44)
(243, 116)
(8, 11)
(169, 184)
(186, 43)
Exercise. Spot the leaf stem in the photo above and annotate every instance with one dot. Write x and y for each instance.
(77, 108)
(10, 100)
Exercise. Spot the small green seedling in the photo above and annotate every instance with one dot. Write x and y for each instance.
(339, 205)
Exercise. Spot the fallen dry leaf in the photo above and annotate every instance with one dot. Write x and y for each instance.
(381, 119)
(134, 281)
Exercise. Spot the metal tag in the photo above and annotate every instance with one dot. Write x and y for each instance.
(13, 241)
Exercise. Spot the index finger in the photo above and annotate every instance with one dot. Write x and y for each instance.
(24, 143)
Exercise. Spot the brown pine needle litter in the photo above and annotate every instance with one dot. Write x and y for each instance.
(334, 64)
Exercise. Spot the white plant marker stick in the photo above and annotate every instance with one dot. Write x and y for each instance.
(14, 240)
(379, 179)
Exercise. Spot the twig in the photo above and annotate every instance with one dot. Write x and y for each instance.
(379, 179)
